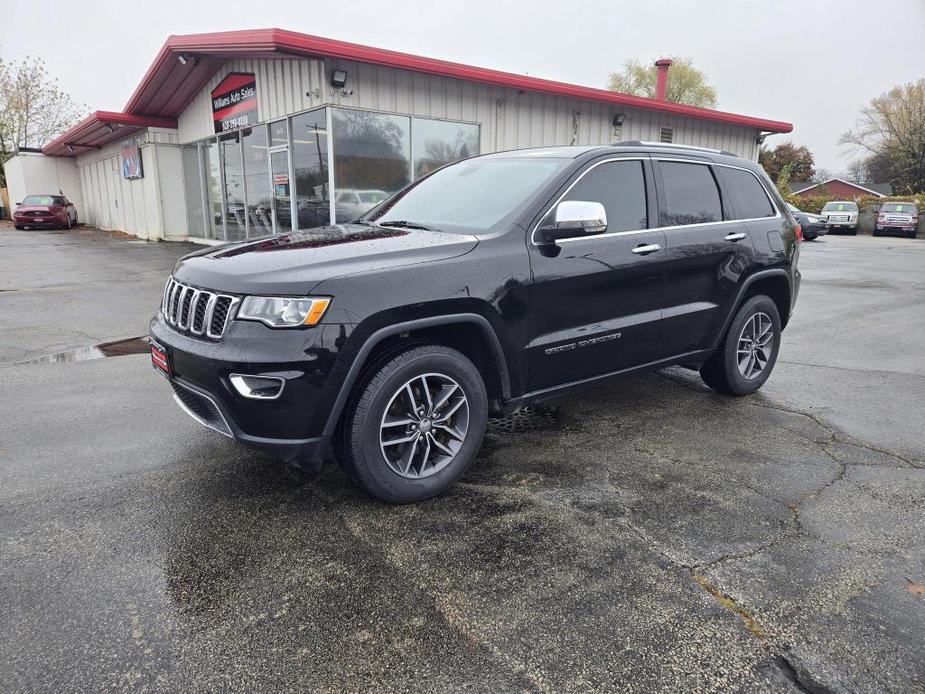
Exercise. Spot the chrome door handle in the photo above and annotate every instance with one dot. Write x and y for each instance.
(735, 236)
(645, 249)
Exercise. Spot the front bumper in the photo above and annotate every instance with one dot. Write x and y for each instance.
(47, 222)
(289, 427)
(903, 228)
(818, 229)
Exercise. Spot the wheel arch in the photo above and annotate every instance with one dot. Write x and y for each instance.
(774, 283)
(467, 332)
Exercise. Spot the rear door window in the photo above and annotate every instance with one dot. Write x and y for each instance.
(620, 186)
(749, 198)
(690, 194)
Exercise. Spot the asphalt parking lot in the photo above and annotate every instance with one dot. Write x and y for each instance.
(647, 536)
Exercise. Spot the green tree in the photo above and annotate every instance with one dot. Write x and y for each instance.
(799, 159)
(33, 108)
(783, 180)
(891, 130)
(686, 84)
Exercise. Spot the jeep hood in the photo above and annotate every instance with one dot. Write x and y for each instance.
(294, 263)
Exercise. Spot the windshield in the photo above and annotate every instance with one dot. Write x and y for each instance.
(897, 207)
(840, 207)
(39, 200)
(474, 194)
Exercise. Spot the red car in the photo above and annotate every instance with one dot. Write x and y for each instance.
(50, 211)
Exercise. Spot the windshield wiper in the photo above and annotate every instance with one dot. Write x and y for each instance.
(405, 224)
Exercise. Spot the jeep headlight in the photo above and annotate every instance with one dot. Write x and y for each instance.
(284, 312)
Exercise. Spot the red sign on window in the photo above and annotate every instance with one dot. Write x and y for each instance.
(234, 102)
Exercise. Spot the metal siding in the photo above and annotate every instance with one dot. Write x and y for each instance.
(529, 120)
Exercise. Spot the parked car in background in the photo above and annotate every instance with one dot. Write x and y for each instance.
(350, 204)
(45, 211)
(897, 218)
(841, 215)
(814, 225)
(491, 284)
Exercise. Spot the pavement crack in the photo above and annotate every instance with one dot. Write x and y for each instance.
(852, 369)
(801, 679)
(751, 623)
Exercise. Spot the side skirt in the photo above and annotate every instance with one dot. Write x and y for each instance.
(688, 360)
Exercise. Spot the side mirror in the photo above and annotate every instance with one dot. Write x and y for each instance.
(572, 218)
(18, 203)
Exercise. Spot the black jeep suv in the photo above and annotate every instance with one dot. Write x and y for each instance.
(492, 283)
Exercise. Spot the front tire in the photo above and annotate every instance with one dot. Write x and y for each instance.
(748, 351)
(414, 424)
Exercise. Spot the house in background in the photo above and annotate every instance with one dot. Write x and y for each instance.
(840, 188)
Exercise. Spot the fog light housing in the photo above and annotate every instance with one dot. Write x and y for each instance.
(258, 387)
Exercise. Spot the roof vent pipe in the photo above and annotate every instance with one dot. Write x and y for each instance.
(661, 81)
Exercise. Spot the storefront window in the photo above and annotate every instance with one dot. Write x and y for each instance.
(278, 134)
(372, 159)
(257, 181)
(214, 190)
(438, 142)
(192, 183)
(238, 185)
(310, 164)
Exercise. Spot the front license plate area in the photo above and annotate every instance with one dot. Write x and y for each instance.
(159, 359)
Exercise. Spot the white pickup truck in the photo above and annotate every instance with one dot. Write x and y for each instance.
(841, 215)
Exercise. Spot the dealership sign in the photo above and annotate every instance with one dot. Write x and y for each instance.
(234, 102)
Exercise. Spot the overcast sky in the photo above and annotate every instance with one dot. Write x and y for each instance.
(813, 63)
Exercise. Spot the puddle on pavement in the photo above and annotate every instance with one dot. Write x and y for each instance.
(117, 348)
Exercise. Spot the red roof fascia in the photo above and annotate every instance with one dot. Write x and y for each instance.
(279, 42)
(94, 132)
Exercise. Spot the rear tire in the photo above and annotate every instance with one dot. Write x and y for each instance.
(18, 227)
(414, 424)
(747, 354)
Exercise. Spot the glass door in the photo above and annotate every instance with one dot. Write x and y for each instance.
(233, 183)
(282, 196)
(257, 189)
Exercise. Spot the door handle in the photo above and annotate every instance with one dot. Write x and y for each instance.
(646, 248)
(735, 236)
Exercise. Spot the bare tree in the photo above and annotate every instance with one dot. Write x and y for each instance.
(857, 171)
(892, 129)
(33, 108)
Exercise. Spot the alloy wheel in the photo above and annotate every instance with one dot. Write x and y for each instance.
(754, 346)
(424, 425)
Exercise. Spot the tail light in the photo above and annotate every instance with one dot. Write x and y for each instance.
(798, 229)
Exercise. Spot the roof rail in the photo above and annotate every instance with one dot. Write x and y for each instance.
(673, 145)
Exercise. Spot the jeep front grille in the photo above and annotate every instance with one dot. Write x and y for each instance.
(197, 311)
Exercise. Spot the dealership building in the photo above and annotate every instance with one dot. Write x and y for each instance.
(239, 134)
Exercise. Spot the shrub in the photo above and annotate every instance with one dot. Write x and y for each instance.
(866, 203)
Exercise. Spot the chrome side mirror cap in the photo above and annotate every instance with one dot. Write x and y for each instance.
(573, 218)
